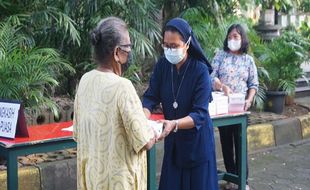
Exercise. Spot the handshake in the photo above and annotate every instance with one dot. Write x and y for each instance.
(162, 129)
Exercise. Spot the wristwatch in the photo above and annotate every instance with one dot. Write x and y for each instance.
(176, 126)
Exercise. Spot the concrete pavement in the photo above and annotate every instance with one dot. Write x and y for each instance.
(283, 168)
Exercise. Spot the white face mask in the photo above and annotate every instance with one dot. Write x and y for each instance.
(175, 55)
(234, 45)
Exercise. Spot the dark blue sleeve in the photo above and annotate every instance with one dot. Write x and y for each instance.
(202, 95)
(151, 97)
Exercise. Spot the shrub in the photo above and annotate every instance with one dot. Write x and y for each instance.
(27, 73)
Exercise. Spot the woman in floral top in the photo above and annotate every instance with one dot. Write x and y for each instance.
(234, 71)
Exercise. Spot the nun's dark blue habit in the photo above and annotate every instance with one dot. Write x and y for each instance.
(189, 160)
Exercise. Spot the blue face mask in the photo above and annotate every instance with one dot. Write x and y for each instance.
(175, 55)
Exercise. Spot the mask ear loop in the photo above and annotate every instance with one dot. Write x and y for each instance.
(188, 41)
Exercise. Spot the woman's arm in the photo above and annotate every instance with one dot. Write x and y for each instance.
(218, 85)
(174, 125)
(252, 84)
(151, 97)
(216, 82)
(140, 136)
(147, 113)
(150, 144)
(249, 99)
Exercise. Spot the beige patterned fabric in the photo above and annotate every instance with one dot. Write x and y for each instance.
(110, 129)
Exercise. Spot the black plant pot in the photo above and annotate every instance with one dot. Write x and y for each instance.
(275, 101)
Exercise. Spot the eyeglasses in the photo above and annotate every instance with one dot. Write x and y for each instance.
(126, 46)
(175, 46)
(170, 46)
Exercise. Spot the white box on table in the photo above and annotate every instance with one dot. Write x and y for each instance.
(236, 98)
(235, 108)
(221, 102)
(236, 102)
(212, 108)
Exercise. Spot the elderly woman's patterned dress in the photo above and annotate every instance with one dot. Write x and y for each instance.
(110, 129)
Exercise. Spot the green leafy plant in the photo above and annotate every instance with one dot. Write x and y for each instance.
(305, 6)
(257, 48)
(284, 5)
(64, 25)
(305, 29)
(28, 73)
(282, 59)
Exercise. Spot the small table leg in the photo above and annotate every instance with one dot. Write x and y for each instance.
(151, 169)
(12, 172)
(243, 154)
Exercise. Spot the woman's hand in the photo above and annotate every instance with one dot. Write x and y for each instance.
(168, 127)
(247, 104)
(217, 84)
(226, 90)
(147, 113)
(249, 99)
(152, 141)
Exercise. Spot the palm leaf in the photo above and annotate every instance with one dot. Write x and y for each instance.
(27, 73)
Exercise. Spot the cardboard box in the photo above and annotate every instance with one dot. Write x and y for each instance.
(212, 108)
(236, 102)
(236, 98)
(235, 108)
(221, 103)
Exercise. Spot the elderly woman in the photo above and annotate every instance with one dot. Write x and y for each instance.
(109, 124)
(181, 83)
(234, 72)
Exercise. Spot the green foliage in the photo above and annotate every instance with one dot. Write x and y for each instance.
(282, 59)
(305, 29)
(283, 5)
(215, 9)
(209, 31)
(48, 25)
(258, 47)
(64, 25)
(305, 6)
(28, 73)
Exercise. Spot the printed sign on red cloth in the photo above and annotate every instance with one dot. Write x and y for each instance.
(12, 120)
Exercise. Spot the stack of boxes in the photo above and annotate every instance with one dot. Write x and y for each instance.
(222, 104)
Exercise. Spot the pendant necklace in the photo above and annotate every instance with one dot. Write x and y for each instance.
(175, 103)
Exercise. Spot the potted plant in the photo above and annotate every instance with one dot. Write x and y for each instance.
(282, 59)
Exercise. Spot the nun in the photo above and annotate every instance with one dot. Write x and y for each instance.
(181, 83)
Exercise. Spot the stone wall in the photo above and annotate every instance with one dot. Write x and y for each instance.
(65, 109)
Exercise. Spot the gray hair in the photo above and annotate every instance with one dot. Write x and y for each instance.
(106, 36)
